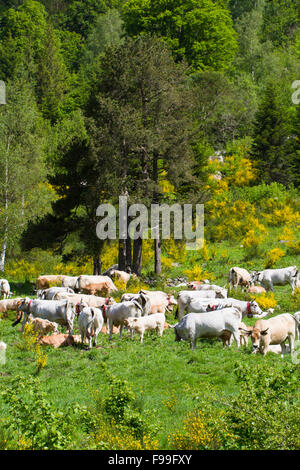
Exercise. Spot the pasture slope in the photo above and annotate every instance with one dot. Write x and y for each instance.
(158, 395)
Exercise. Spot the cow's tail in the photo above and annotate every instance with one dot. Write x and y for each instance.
(176, 311)
(19, 319)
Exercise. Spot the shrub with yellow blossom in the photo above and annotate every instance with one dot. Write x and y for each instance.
(265, 300)
(273, 256)
(194, 436)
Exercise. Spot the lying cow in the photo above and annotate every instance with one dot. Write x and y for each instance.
(275, 330)
(95, 284)
(239, 277)
(59, 311)
(59, 340)
(41, 326)
(4, 288)
(256, 290)
(9, 305)
(206, 287)
(49, 294)
(90, 322)
(208, 325)
(118, 312)
(44, 282)
(156, 321)
(276, 277)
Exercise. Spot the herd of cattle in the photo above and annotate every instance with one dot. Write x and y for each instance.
(203, 310)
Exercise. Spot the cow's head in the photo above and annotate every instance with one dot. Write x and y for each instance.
(255, 277)
(171, 302)
(254, 308)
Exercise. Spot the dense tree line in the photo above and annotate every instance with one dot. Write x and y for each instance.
(108, 98)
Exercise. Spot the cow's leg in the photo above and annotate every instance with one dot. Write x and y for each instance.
(121, 329)
(291, 340)
(236, 336)
(193, 342)
(110, 328)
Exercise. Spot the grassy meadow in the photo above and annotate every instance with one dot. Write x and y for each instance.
(154, 388)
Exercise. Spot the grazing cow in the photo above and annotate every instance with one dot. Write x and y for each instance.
(44, 282)
(90, 322)
(153, 301)
(160, 301)
(49, 294)
(276, 277)
(239, 277)
(185, 297)
(208, 325)
(256, 290)
(275, 330)
(90, 300)
(4, 288)
(9, 304)
(59, 311)
(250, 309)
(120, 275)
(156, 321)
(95, 284)
(227, 337)
(118, 312)
(69, 281)
(42, 326)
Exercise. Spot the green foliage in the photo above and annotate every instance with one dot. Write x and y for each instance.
(199, 31)
(36, 422)
(265, 413)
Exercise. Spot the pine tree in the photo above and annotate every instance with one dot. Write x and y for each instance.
(272, 148)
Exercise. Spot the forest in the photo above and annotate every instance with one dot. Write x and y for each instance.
(107, 98)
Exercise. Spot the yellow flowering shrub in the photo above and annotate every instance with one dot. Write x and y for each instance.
(194, 436)
(273, 256)
(197, 274)
(265, 300)
(279, 213)
(30, 342)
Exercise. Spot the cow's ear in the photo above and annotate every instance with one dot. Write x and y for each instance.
(264, 332)
(135, 319)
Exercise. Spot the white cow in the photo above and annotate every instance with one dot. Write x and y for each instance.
(276, 277)
(156, 321)
(159, 301)
(118, 312)
(275, 330)
(185, 297)
(90, 322)
(206, 287)
(250, 309)
(142, 298)
(49, 294)
(239, 277)
(208, 325)
(4, 288)
(69, 281)
(59, 311)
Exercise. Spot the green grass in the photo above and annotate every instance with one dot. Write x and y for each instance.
(160, 370)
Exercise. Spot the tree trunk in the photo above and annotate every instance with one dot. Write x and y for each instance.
(157, 256)
(137, 256)
(97, 265)
(157, 240)
(2, 255)
(122, 255)
(128, 254)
